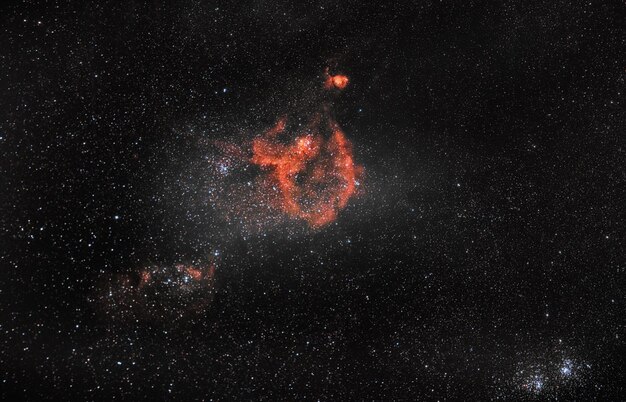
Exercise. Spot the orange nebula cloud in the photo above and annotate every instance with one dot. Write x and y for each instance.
(315, 176)
(338, 81)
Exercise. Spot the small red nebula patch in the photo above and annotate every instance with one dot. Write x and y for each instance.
(194, 273)
(158, 293)
(338, 81)
(314, 176)
(144, 278)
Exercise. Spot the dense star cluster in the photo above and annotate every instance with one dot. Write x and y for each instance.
(328, 200)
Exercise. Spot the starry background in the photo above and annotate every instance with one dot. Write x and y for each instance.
(484, 258)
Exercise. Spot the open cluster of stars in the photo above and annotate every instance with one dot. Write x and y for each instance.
(545, 377)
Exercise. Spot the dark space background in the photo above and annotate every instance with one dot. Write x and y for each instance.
(483, 261)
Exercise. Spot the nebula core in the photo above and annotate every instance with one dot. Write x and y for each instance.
(338, 81)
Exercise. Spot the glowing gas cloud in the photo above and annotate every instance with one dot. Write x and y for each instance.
(315, 176)
(306, 169)
(338, 81)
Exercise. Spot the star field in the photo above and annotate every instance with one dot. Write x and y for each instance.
(330, 200)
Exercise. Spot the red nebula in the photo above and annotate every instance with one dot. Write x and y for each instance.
(315, 176)
(338, 81)
(144, 278)
(157, 293)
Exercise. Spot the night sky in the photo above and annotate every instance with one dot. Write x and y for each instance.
(329, 200)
